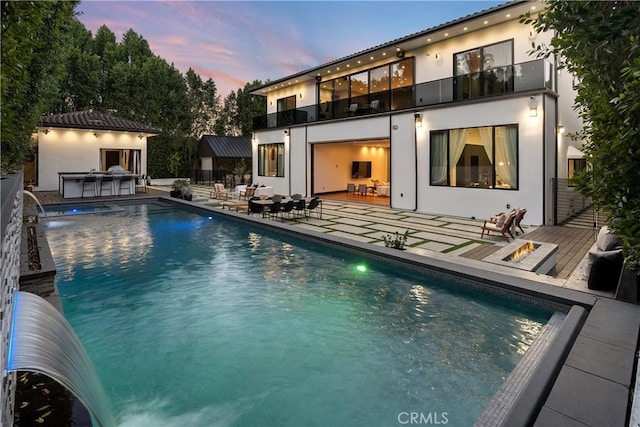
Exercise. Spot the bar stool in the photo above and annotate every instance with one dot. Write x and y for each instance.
(108, 181)
(89, 184)
(125, 184)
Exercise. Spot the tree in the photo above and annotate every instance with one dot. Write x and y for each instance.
(80, 88)
(599, 43)
(31, 71)
(205, 104)
(239, 110)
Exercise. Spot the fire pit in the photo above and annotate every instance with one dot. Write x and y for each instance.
(526, 255)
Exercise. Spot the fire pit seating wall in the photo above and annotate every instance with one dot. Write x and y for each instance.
(606, 261)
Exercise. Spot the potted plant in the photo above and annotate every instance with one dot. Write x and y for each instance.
(181, 189)
(375, 183)
(396, 241)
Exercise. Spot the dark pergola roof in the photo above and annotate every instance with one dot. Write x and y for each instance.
(226, 146)
(93, 120)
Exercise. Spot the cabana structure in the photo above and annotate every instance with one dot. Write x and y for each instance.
(224, 159)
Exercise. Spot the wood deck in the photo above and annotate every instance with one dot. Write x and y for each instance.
(573, 245)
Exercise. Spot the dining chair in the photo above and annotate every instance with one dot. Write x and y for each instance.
(255, 208)
(362, 189)
(314, 208)
(351, 188)
(273, 210)
(299, 208)
(375, 104)
(287, 208)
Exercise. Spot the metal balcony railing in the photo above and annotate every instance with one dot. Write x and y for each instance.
(526, 76)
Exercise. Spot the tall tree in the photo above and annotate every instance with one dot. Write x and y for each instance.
(239, 110)
(599, 42)
(80, 88)
(31, 71)
(205, 104)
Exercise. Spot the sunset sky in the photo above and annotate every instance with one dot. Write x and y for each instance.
(238, 42)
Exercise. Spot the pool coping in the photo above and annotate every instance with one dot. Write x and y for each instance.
(586, 374)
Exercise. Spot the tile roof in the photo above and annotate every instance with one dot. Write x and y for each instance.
(94, 120)
(228, 146)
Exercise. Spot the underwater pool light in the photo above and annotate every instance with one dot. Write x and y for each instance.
(361, 268)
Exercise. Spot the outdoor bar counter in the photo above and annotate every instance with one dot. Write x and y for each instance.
(73, 185)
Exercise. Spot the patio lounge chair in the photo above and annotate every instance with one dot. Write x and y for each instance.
(247, 194)
(219, 192)
(502, 225)
(516, 221)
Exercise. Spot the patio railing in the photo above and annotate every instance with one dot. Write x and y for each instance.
(499, 81)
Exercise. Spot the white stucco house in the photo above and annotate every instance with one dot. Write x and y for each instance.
(82, 141)
(459, 119)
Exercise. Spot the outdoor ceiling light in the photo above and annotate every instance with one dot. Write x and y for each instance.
(533, 107)
(418, 119)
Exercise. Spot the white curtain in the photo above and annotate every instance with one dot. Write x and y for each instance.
(457, 141)
(439, 158)
(507, 155)
(487, 141)
(136, 162)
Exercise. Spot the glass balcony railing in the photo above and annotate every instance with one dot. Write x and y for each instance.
(526, 76)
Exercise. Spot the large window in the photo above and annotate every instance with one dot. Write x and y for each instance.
(271, 160)
(129, 160)
(484, 157)
(384, 88)
(484, 71)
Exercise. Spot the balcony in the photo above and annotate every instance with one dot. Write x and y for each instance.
(500, 81)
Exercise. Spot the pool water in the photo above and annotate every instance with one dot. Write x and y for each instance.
(196, 320)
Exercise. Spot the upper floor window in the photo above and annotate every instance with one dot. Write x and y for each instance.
(483, 71)
(383, 88)
(484, 157)
(271, 160)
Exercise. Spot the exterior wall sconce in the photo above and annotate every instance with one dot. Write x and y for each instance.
(46, 131)
(533, 107)
(286, 131)
(417, 117)
(95, 134)
(140, 136)
(438, 55)
(561, 129)
(400, 53)
(301, 96)
(286, 135)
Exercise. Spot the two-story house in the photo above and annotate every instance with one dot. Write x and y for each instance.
(459, 119)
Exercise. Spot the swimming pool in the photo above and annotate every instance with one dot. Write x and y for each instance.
(198, 320)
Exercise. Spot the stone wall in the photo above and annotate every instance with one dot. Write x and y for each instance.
(11, 229)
